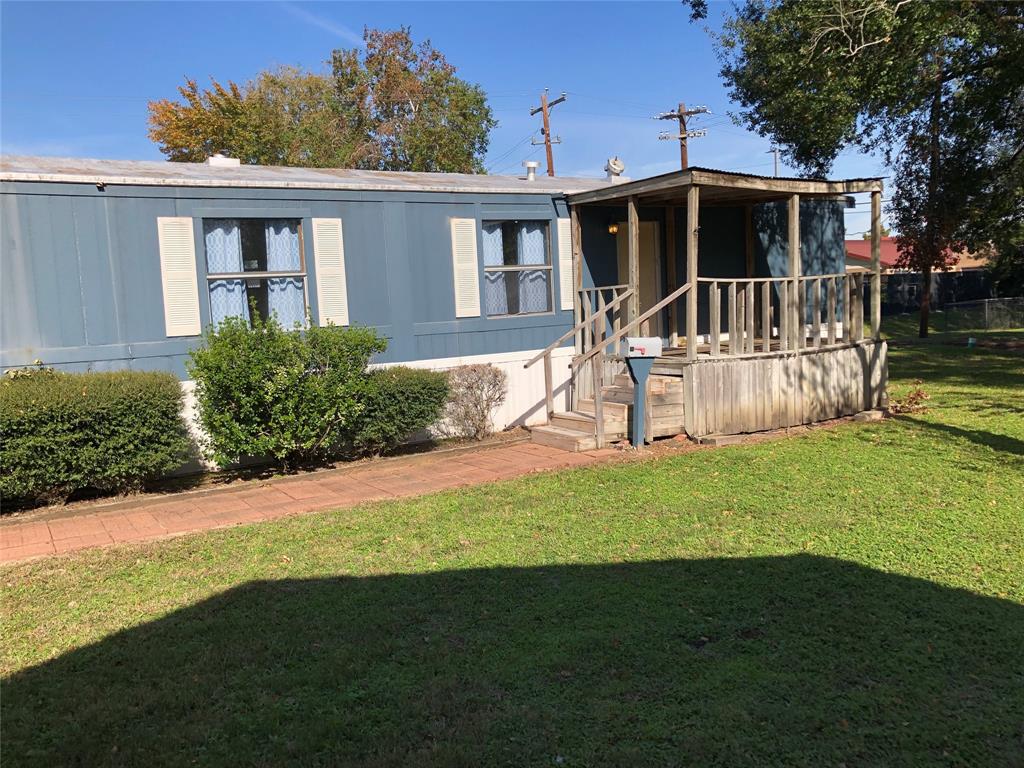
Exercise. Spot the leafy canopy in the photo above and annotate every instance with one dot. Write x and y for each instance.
(391, 106)
(937, 88)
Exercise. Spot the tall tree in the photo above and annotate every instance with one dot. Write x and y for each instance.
(935, 87)
(392, 106)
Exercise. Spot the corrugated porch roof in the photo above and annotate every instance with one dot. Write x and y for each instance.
(721, 187)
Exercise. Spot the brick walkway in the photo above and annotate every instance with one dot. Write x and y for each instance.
(156, 517)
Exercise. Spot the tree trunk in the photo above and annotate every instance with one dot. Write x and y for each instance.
(931, 225)
(926, 300)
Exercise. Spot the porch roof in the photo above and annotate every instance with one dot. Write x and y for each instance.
(721, 187)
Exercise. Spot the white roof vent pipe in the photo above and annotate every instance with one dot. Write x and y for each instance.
(614, 168)
(531, 169)
(220, 160)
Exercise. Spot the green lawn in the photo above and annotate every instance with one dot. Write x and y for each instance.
(906, 327)
(851, 596)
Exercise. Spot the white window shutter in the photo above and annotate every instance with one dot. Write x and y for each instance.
(565, 267)
(331, 287)
(178, 273)
(466, 268)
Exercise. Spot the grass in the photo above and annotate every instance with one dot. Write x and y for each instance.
(852, 596)
(906, 327)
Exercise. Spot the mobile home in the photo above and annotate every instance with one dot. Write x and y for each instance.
(120, 264)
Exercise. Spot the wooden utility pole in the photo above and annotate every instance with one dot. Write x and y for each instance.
(682, 114)
(545, 109)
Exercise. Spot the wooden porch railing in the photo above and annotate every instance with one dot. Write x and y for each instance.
(595, 302)
(765, 314)
(594, 324)
(632, 325)
(595, 356)
(762, 315)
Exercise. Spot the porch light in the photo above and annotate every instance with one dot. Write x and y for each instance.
(613, 228)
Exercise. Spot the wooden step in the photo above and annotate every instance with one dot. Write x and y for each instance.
(656, 384)
(584, 422)
(654, 398)
(612, 410)
(574, 420)
(616, 394)
(566, 439)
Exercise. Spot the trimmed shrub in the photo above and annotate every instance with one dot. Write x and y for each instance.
(263, 391)
(476, 390)
(397, 403)
(64, 432)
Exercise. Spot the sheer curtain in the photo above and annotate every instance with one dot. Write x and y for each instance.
(495, 295)
(224, 254)
(285, 295)
(534, 288)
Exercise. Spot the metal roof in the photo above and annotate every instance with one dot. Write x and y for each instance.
(154, 173)
(720, 187)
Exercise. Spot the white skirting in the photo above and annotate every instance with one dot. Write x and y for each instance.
(524, 401)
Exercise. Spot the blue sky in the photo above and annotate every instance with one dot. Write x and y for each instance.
(81, 89)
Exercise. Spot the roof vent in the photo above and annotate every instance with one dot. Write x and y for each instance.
(221, 160)
(531, 169)
(614, 168)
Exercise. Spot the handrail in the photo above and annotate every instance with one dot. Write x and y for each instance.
(778, 279)
(580, 359)
(580, 325)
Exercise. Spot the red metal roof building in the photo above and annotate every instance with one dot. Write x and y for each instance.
(858, 254)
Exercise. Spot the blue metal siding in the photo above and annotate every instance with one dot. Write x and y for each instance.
(81, 284)
(822, 238)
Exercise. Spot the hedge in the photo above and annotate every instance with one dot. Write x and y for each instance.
(65, 432)
(267, 392)
(397, 403)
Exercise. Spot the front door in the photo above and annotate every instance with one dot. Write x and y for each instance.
(650, 270)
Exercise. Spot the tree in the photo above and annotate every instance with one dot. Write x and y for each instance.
(393, 106)
(935, 87)
(867, 235)
(282, 117)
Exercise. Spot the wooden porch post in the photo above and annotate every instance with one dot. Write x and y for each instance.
(633, 232)
(796, 324)
(692, 227)
(876, 265)
(673, 281)
(753, 319)
(577, 271)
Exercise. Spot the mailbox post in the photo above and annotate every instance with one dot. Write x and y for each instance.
(641, 352)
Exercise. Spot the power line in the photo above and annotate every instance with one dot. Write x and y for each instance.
(515, 162)
(509, 151)
(682, 114)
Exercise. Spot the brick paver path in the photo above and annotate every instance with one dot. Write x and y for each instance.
(157, 517)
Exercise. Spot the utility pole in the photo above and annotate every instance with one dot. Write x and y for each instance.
(774, 151)
(682, 114)
(545, 109)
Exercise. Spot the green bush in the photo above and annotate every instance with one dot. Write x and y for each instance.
(263, 391)
(63, 432)
(397, 403)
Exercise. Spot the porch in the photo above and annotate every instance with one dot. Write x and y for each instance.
(762, 326)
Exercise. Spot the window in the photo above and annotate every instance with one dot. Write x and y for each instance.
(256, 264)
(517, 268)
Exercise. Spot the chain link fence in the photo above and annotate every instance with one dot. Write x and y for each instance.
(984, 314)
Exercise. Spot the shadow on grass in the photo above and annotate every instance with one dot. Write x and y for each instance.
(797, 660)
(978, 368)
(993, 440)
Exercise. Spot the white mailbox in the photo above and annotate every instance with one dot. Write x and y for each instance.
(643, 346)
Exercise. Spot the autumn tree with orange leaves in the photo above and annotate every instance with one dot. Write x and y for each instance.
(392, 106)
